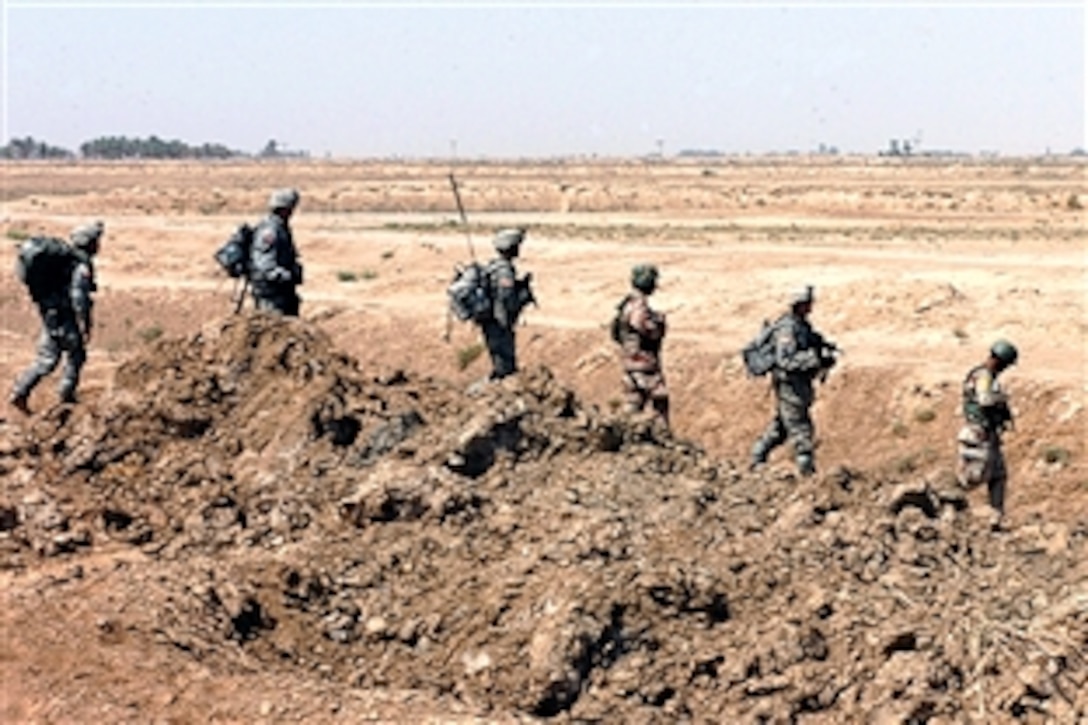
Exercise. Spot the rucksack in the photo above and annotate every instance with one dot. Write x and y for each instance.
(470, 293)
(233, 256)
(44, 265)
(618, 324)
(759, 354)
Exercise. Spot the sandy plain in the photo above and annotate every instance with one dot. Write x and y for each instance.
(918, 265)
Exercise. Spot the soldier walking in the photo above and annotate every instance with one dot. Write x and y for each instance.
(801, 355)
(986, 416)
(508, 297)
(65, 307)
(640, 331)
(274, 269)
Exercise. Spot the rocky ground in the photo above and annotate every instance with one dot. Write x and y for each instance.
(247, 507)
(257, 520)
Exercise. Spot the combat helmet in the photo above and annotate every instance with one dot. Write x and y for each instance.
(283, 199)
(802, 297)
(644, 277)
(86, 236)
(507, 240)
(1005, 352)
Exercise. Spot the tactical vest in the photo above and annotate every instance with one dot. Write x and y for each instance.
(972, 411)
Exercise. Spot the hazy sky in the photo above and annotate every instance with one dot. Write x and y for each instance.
(540, 79)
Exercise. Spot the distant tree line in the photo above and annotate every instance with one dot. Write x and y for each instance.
(152, 147)
(123, 147)
(30, 148)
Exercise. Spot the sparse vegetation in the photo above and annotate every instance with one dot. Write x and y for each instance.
(1073, 203)
(387, 254)
(960, 333)
(900, 429)
(912, 462)
(17, 234)
(345, 275)
(369, 274)
(1056, 455)
(150, 333)
(924, 415)
(467, 355)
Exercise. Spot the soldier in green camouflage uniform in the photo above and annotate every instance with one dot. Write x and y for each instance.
(275, 272)
(801, 355)
(986, 415)
(66, 322)
(641, 333)
(507, 301)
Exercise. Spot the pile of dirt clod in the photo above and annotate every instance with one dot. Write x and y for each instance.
(528, 555)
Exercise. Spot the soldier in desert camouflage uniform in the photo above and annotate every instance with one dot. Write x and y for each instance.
(274, 269)
(801, 355)
(641, 332)
(509, 296)
(66, 322)
(986, 415)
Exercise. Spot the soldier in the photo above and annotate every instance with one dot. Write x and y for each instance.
(986, 415)
(66, 322)
(640, 332)
(508, 297)
(275, 272)
(801, 355)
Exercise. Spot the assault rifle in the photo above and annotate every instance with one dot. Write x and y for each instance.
(240, 299)
(829, 355)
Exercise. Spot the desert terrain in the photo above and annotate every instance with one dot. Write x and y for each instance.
(251, 519)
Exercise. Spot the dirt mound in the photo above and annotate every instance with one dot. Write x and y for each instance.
(280, 511)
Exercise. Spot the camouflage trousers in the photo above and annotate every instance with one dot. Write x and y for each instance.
(502, 348)
(286, 304)
(792, 421)
(642, 387)
(980, 461)
(60, 336)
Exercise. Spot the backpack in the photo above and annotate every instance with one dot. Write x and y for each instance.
(618, 325)
(759, 354)
(470, 293)
(233, 256)
(44, 265)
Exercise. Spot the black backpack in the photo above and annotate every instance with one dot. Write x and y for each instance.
(233, 256)
(45, 265)
(759, 354)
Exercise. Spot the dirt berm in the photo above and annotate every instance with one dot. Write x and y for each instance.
(249, 500)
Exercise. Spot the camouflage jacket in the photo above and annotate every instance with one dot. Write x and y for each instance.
(642, 334)
(984, 403)
(273, 257)
(504, 298)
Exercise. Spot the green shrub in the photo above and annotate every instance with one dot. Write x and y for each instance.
(17, 234)
(467, 355)
(1056, 454)
(924, 415)
(346, 276)
(150, 333)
